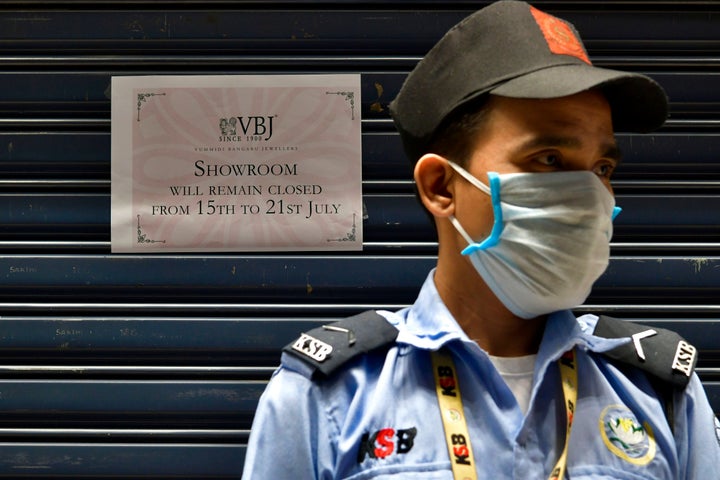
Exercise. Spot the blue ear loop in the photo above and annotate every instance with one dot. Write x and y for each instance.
(497, 229)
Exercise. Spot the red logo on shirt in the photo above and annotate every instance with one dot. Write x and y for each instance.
(385, 442)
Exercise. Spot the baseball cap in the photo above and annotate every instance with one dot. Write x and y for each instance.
(512, 49)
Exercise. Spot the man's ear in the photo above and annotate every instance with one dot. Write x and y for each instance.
(432, 178)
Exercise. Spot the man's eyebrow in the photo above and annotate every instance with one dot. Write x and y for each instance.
(611, 150)
(544, 141)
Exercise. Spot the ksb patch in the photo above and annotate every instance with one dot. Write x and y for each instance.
(717, 429)
(625, 437)
(312, 347)
(386, 442)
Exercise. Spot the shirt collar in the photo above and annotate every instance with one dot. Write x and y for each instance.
(429, 325)
(563, 332)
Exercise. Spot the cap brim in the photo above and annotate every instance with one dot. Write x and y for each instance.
(638, 103)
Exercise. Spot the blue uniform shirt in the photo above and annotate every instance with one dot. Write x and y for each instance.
(378, 418)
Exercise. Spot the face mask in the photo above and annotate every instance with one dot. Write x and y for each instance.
(550, 240)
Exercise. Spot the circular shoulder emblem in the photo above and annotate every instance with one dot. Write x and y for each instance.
(717, 429)
(625, 437)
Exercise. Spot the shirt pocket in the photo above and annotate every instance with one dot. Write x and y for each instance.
(604, 472)
(426, 471)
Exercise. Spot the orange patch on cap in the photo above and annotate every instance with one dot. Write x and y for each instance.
(559, 36)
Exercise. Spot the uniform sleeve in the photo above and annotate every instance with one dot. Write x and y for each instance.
(285, 431)
(696, 434)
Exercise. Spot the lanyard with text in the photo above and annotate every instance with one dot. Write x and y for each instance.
(455, 425)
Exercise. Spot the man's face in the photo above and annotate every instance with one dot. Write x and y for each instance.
(529, 135)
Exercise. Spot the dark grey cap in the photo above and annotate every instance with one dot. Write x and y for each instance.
(515, 50)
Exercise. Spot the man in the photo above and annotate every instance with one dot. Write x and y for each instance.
(488, 375)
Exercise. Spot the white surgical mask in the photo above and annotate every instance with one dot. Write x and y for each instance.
(550, 240)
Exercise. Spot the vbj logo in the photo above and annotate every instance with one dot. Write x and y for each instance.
(253, 127)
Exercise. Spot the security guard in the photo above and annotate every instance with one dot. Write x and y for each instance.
(510, 130)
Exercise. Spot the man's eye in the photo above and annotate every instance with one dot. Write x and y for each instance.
(605, 170)
(549, 160)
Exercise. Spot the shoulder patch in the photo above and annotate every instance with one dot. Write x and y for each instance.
(660, 352)
(329, 347)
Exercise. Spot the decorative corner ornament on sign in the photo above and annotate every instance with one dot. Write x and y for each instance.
(349, 237)
(349, 97)
(142, 237)
(141, 98)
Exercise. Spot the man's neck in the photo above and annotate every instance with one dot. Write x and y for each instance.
(485, 319)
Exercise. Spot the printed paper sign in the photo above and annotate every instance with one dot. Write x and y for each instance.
(236, 163)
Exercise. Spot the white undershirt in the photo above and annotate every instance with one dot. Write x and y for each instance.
(518, 375)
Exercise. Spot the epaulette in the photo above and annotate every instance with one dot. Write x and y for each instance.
(329, 347)
(661, 353)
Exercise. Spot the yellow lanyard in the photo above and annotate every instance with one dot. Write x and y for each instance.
(457, 436)
(568, 375)
(453, 417)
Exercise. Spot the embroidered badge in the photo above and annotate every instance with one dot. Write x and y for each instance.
(386, 442)
(559, 36)
(625, 437)
(717, 429)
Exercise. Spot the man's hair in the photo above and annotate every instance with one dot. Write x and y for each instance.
(456, 138)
